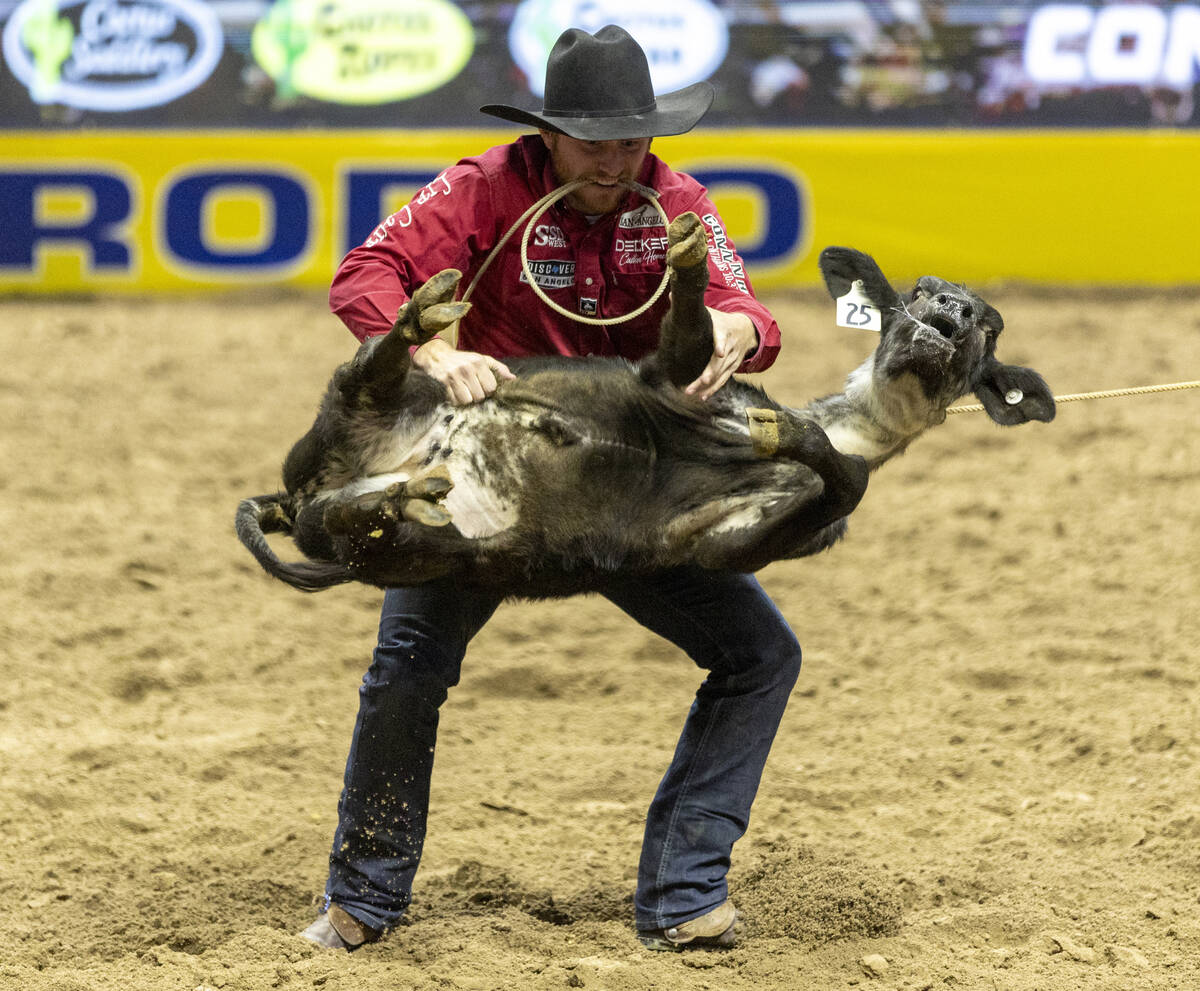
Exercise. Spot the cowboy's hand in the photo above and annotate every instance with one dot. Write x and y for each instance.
(467, 375)
(734, 337)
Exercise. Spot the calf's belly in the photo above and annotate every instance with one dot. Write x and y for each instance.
(481, 448)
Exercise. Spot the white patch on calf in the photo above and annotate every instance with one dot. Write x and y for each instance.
(728, 515)
(361, 486)
(883, 419)
(849, 440)
(742, 518)
(474, 504)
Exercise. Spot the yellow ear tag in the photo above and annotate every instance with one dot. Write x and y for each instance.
(856, 310)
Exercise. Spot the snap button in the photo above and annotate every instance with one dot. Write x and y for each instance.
(588, 281)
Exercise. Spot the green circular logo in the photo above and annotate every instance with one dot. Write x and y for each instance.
(362, 52)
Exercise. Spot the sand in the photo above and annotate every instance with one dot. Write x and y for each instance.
(987, 776)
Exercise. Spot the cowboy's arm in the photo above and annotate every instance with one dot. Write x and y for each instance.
(745, 336)
(467, 375)
(435, 231)
(734, 337)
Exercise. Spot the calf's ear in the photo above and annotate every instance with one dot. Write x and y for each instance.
(1031, 398)
(841, 267)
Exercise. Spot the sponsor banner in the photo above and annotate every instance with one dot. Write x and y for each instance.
(109, 56)
(1075, 44)
(368, 52)
(123, 64)
(685, 41)
(168, 210)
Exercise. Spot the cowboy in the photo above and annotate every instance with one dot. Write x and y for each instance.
(600, 252)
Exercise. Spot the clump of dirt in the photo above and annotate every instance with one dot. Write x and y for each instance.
(476, 889)
(793, 893)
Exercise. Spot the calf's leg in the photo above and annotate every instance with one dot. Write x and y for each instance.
(800, 504)
(379, 369)
(780, 433)
(686, 335)
(418, 500)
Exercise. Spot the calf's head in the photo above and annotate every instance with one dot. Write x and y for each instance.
(945, 336)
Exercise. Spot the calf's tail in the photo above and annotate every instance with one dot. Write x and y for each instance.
(265, 514)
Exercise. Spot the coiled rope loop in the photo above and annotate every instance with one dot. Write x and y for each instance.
(531, 216)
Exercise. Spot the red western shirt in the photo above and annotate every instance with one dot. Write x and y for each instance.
(606, 268)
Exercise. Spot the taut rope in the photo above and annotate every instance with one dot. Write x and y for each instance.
(1103, 394)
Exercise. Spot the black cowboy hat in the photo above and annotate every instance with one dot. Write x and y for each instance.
(598, 89)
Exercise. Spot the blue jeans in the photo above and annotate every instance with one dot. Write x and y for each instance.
(726, 624)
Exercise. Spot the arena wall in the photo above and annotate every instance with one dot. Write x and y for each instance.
(140, 210)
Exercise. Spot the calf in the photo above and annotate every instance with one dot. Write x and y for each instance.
(585, 467)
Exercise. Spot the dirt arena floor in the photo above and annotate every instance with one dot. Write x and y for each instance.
(987, 777)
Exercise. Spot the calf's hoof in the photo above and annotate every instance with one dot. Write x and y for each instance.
(425, 513)
(418, 500)
(432, 308)
(764, 431)
(778, 433)
(688, 242)
(434, 485)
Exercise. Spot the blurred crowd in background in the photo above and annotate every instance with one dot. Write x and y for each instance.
(794, 64)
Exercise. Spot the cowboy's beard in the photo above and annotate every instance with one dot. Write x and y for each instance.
(603, 164)
(599, 196)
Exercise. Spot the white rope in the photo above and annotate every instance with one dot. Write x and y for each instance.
(545, 201)
(1103, 394)
(530, 217)
(579, 317)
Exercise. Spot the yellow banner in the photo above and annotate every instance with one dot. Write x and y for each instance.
(167, 210)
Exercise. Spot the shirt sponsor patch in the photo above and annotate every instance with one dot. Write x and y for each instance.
(641, 250)
(551, 273)
(723, 255)
(549, 236)
(642, 218)
(588, 307)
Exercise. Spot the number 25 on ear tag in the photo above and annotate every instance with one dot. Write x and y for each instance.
(855, 309)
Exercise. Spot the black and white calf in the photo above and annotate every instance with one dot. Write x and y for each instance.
(584, 467)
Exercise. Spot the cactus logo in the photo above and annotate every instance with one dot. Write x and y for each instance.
(685, 41)
(112, 55)
(362, 52)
